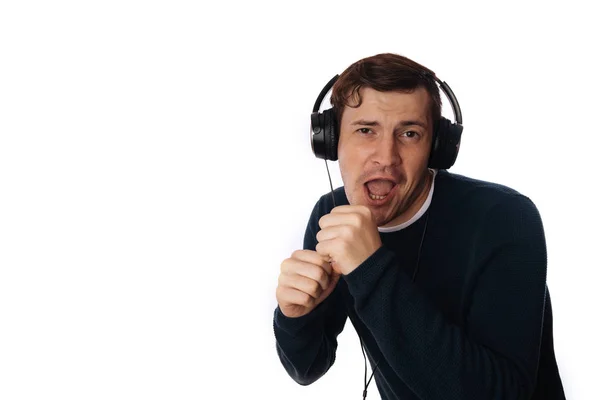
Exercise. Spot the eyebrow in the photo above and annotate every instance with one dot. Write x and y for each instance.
(402, 123)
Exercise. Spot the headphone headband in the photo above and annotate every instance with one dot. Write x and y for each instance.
(324, 92)
(443, 85)
(452, 98)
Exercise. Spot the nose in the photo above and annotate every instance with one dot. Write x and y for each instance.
(387, 151)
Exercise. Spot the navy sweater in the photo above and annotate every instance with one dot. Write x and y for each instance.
(476, 322)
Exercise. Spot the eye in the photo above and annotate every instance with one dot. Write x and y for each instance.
(411, 134)
(365, 131)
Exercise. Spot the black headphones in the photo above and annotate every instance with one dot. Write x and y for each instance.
(444, 146)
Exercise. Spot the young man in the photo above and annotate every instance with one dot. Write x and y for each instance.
(443, 276)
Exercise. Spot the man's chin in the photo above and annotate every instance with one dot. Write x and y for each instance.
(377, 212)
(382, 221)
(379, 215)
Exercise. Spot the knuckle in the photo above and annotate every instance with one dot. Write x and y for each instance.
(279, 293)
(319, 247)
(317, 272)
(281, 280)
(347, 231)
(285, 296)
(319, 290)
(296, 254)
(344, 248)
(321, 275)
(314, 287)
(321, 221)
(306, 300)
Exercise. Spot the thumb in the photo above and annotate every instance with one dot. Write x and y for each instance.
(335, 269)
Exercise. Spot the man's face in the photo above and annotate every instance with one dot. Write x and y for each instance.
(383, 153)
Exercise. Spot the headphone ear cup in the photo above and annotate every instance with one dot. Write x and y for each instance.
(454, 146)
(331, 134)
(317, 137)
(435, 145)
(445, 144)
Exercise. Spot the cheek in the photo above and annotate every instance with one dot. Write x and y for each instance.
(349, 162)
(415, 162)
(353, 155)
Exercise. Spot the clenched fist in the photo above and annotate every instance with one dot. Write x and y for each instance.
(305, 280)
(348, 236)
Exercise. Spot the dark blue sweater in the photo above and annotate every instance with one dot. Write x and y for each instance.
(476, 323)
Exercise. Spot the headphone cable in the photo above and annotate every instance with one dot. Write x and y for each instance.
(362, 347)
(330, 184)
(414, 277)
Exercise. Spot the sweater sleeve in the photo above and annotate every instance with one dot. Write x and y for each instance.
(495, 354)
(306, 345)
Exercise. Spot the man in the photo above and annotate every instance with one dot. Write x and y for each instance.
(442, 276)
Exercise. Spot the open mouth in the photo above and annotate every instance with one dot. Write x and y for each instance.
(378, 190)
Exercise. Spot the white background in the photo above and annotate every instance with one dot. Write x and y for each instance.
(155, 170)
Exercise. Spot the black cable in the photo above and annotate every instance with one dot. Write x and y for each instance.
(362, 347)
(330, 184)
(413, 280)
(420, 246)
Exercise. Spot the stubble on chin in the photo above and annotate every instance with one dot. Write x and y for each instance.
(381, 215)
(387, 214)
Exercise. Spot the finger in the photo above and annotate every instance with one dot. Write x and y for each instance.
(287, 295)
(310, 271)
(337, 271)
(335, 277)
(314, 272)
(326, 249)
(312, 257)
(343, 208)
(361, 210)
(301, 283)
(333, 232)
(332, 285)
(340, 218)
(347, 209)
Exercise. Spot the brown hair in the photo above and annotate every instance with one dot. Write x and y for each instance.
(384, 72)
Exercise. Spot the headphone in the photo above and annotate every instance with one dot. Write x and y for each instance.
(446, 135)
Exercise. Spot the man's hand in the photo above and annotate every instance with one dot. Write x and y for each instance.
(348, 236)
(306, 279)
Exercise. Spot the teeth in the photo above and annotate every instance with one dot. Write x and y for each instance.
(374, 197)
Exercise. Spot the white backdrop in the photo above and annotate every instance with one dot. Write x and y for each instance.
(155, 170)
